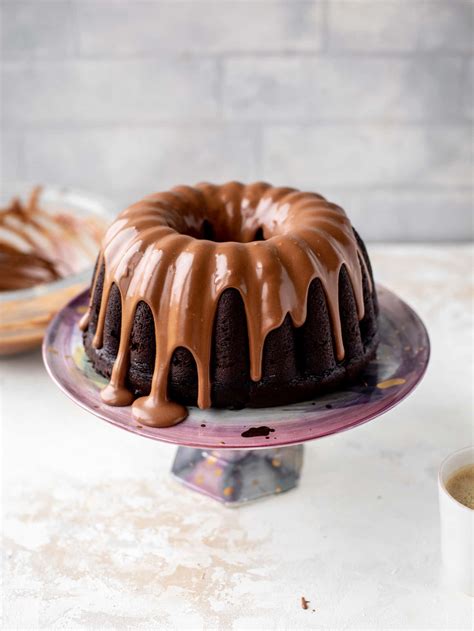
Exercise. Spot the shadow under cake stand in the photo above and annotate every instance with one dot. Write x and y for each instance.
(239, 456)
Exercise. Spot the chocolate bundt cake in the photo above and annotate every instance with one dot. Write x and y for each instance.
(230, 296)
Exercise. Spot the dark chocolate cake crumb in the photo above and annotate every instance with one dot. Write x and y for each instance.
(304, 602)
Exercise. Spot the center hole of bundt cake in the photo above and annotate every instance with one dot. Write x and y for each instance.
(209, 233)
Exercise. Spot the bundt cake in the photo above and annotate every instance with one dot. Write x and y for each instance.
(231, 296)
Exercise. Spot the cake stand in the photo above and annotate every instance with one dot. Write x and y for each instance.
(239, 456)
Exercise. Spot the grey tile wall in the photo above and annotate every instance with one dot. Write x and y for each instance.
(132, 160)
(368, 101)
(342, 88)
(199, 27)
(372, 155)
(88, 91)
(400, 25)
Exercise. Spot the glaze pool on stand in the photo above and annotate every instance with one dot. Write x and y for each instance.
(220, 440)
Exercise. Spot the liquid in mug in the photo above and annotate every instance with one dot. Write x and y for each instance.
(461, 485)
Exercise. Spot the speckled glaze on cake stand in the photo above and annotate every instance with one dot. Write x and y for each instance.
(237, 456)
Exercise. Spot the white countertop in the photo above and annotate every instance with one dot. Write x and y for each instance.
(97, 535)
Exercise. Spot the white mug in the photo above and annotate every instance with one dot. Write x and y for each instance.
(457, 526)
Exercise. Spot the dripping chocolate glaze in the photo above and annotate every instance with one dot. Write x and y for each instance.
(154, 252)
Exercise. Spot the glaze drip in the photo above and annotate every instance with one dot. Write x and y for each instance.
(269, 244)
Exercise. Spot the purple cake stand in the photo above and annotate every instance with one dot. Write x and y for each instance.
(238, 456)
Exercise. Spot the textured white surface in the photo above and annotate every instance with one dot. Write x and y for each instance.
(98, 536)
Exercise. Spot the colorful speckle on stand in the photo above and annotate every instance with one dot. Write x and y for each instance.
(390, 383)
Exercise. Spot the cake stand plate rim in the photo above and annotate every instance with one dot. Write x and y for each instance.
(286, 425)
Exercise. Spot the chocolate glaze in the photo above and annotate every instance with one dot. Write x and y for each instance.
(23, 249)
(37, 246)
(263, 430)
(267, 243)
(20, 270)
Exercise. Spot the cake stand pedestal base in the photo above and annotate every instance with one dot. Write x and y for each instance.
(238, 476)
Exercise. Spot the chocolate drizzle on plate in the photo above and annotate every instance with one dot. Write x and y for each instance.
(39, 247)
